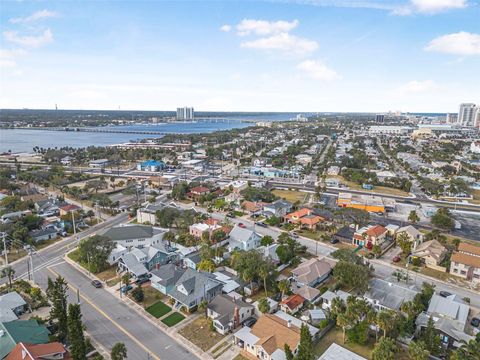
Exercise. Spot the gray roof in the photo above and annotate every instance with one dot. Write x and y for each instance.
(449, 308)
(388, 294)
(195, 257)
(168, 274)
(223, 304)
(133, 264)
(129, 232)
(196, 283)
(42, 232)
(279, 204)
(337, 352)
(241, 234)
(8, 303)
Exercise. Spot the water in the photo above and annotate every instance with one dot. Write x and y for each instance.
(21, 140)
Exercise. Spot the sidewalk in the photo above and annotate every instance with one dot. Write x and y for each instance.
(172, 331)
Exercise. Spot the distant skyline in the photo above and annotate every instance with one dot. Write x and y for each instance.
(282, 56)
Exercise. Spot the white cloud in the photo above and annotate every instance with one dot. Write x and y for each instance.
(8, 57)
(317, 70)
(29, 41)
(42, 14)
(461, 43)
(226, 28)
(283, 42)
(418, 86)
(264, 27)
(435, 6)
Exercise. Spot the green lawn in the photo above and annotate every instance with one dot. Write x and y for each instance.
(158, 309)
(173, 319)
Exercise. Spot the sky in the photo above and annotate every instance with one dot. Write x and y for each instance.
(298, 56)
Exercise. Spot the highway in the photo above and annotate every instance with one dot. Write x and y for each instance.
(106, 318)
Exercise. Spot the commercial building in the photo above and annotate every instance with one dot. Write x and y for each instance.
(368, 203)
(467, 114)
(389, 130)
(185, 113)
(151, 166)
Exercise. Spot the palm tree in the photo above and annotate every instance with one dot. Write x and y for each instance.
(284, 286)
(8, 272)
(385, 321)
(264, 272)
(343, 321)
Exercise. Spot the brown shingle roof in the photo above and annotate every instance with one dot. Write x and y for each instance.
(376, 230)
(274, 333)
(466, 259)
(469, 248)
(293, 301)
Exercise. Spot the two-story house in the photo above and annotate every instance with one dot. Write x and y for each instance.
(278, 208)
(369, 236)
(243, 239)
(135, 236)
(228, 313)
(465, 262)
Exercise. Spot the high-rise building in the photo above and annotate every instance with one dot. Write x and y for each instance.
(379, 118)
(467, 114)
(185, 113)
(451, 118)
(477, 118)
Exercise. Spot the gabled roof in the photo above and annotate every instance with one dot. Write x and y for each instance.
(168, 274)
(410, 230)
(241, 234)
(273, 333)
(337, 352)
(293, 301)
(388, 294)
(223, 304)
(466, 259)
(311, 270)
(196, 283)
(376, 230)
(28, 331)
(54, 350)
(469, 248)
(430, 248)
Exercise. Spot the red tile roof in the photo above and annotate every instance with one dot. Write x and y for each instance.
(376, 231)
(38, 351)
(200, 190)
(293, 301)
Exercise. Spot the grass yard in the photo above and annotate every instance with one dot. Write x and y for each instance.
(240, 357)
(158, 309)
(290, 195)
(199, 333)
(108, 274)
(376, 189)
(151, 296)
(173, 319)
(336, 336)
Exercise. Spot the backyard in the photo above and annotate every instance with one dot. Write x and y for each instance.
(291, 195)
(199, 333)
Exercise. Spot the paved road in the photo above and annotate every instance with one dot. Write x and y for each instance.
(107, 319)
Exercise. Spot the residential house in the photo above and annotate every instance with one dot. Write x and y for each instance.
(292, 304)
(337, 352)
(344, 235)
(431, 252)
(465, 262)
(12, 305)
(252, 207)
(328, 296)
(228, 277)
(369, 236)
(384, 295)
(304, 217)
(310, 294)
(40, 235)
(198, 191)
(278, 208)
(8, 218)
(450, 317)
(267, 338)
(198, 229)
(49, 207)
(271, 303)
(270, 251)
(163, 278)
(314, 316)
(228, 313)
(415, 236)
(237, 185)
(135, 236)
(66, 209)
(311, 272)
(50, 351)
(243, 239)
(192, 260)
(193, 287)
(26, 331)
(147, 214)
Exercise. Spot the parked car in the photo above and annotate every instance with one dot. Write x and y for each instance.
(445, 294)
(396, 259)
(333, 241)
(261, 224)
(250, 322)
(475, 322)
(230, 215)
(142, 280)
(293, 235)
(242, 225)
(97, 284)
(126, 288)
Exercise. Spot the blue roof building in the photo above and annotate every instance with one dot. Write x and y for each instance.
(151, 165)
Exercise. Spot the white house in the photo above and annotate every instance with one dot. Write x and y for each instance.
(243, 239)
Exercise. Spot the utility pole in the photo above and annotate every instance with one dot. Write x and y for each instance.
(31, 262)
(73, 222)
(5, 247)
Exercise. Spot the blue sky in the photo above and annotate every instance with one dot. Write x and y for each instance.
(310, 55)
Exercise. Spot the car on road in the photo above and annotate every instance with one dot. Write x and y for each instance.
(230, 215)
(96, 284)
(242, 225)
(250, 322)
(293, 235)
(126, 288)
(396, 259)
(261, 224)
(333, 241)
(475, 322)
(444, 294)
